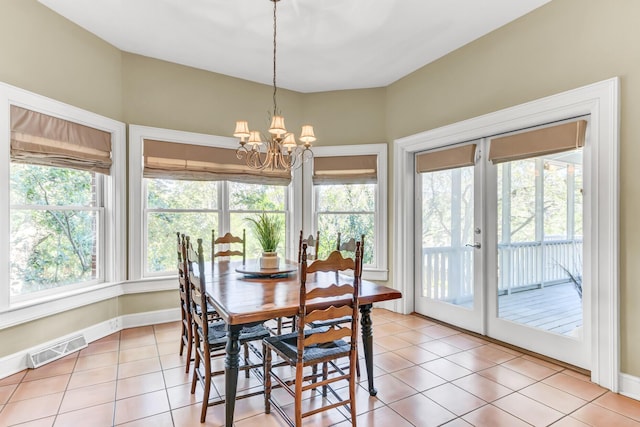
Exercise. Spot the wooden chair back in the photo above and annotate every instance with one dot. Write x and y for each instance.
(345, 295)
(228, 240)
(349, 245)
(197, 289)
(311, 243)
(186, 338)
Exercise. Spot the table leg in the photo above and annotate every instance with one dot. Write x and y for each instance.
(231, 372)
(367, 341)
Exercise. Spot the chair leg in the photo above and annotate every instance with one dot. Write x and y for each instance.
(267, 378)
(298, 396)
(246, 359)
(279, 326)
(352, 398)
(182, 340)
(314, 373)
(189, 349)
(196, 368)
(325, 375)
(358, 367)
(207, 388)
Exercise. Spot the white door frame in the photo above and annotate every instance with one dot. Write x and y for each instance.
(601, 101)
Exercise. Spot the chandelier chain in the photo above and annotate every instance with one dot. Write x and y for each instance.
(279, 151)
(275, 88)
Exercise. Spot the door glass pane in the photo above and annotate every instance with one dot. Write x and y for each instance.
(540, 242)
(447, 236)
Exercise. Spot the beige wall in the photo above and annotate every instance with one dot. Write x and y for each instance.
(39, 331)
(42, 52)
(563, 45)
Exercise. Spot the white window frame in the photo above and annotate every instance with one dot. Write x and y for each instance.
(27, 308)
(379, 271)
(137, 135)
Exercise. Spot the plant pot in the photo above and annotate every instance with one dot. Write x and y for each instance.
(269, 260)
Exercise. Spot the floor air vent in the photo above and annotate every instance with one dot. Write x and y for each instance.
(56, 351)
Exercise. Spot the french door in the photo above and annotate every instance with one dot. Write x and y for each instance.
(449, 259)
(499, 244)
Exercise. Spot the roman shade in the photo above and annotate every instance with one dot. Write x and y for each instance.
(538, 142)
(38, 138)
(448, 158)
(345, 170)
(172, 160)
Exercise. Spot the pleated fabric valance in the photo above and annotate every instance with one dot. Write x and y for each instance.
(172, 160)
(38, 138)
(448, 158)
(345, 169)
(538, 142)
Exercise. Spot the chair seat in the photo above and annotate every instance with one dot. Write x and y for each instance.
(330, 322)
(287, 346)
(218, 333)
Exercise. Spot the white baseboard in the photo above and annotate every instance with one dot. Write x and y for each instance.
(629, 386)
(393, 305)
(17, 362)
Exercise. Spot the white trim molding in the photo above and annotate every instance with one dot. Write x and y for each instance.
(630, 386)
(600, 101)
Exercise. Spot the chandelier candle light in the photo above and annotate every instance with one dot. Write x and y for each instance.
(281, 149)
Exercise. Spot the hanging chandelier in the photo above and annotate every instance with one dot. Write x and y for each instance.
(279, 149)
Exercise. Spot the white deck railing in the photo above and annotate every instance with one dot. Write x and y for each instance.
(448, 272)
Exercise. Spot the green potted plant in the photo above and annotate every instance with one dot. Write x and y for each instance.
(267, 229)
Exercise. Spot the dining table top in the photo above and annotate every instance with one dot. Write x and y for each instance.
(243, 298)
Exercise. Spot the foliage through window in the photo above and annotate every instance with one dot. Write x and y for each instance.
(56, 224)
(197, 207)
(349, 209)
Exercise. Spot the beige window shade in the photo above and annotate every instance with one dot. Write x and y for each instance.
(539, 142)
(41, 139)
(448, 158)
(345, 170)
(173, 160)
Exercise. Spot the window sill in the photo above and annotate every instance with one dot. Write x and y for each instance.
(33, 309)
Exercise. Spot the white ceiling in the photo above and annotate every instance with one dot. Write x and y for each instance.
(322, 44)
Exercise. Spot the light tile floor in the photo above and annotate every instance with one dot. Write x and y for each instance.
(426, 375)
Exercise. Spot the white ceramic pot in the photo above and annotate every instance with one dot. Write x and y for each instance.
(269, 260)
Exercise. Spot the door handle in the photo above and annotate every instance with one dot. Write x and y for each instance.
(474, 245)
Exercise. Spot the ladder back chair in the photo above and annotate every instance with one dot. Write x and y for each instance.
(318, 346)
(184, 267)
(186, 336)
(228, 240)
(311, 243)
(348, 246)
(211, 337)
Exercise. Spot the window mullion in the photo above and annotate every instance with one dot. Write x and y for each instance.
(225, 215)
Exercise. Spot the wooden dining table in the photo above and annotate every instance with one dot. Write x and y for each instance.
(242, 299)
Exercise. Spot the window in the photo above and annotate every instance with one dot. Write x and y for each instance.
(349, 209)
(56, 228)
(348, 184)
(245, 200)
(176, 206)
(63, 172)
(193, 184)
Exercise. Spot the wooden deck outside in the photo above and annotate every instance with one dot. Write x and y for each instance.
(555, 308)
